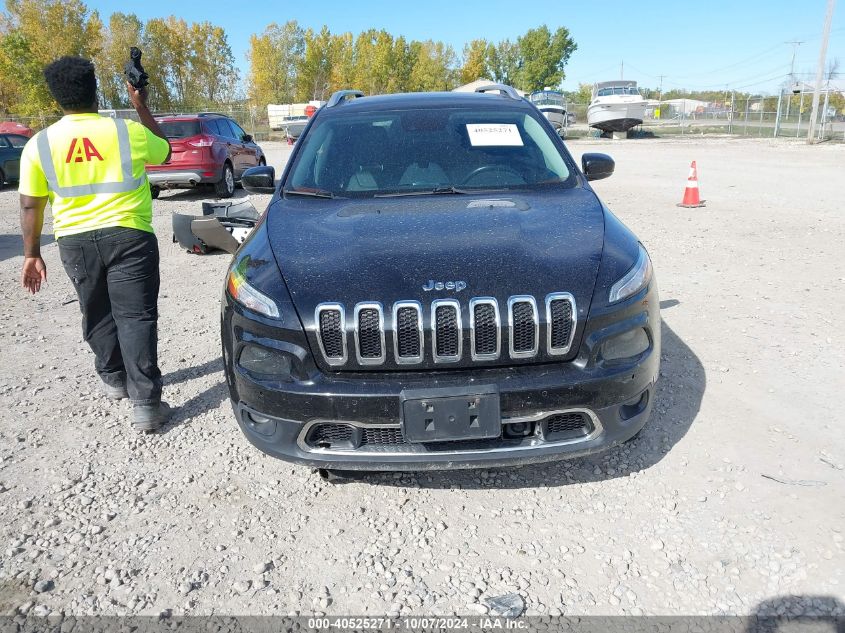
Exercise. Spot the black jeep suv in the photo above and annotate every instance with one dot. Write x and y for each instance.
(435, 285)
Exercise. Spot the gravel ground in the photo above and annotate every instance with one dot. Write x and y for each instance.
(729, 502)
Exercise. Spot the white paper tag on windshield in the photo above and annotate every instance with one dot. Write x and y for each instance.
(488, 134)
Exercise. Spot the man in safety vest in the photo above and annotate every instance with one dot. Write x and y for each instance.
(91, 170)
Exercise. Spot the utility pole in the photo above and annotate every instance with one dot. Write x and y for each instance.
(820, 70)
(795, 45)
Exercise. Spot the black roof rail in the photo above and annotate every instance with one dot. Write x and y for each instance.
(342, 95)
(508, 91)
(212, 114)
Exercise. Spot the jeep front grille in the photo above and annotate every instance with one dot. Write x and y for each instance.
(442, 329)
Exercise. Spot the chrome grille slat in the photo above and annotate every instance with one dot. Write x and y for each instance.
(561, 319)
(446, 331)
(331, 324)
(523, 327)
(408, 341)
(485, 328)
(369, 334)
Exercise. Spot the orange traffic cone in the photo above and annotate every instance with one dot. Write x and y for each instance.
(691, 199)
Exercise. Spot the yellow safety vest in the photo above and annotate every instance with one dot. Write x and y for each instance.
(93, 170)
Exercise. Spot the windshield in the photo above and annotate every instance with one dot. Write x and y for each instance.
(444, 150)
(180, 129)
(618, 90)
(546, 98)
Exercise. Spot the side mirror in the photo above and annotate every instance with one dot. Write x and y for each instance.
(261, 179)
(247, 138)
(597, 166)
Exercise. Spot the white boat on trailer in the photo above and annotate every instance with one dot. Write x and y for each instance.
(616, 106)
(553, 106)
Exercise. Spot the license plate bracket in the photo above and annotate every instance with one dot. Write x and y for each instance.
(442, 415)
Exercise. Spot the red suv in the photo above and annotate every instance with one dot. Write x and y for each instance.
(207, 148)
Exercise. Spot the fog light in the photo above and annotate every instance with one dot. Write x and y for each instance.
(626, 345)
(261, 360)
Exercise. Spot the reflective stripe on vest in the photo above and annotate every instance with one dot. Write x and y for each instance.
(127, 184)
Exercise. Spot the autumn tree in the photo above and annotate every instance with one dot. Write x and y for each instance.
(124, 31)
(273, 59)
(213, 76)
(33, 33)
(191, 66)
(475, 61)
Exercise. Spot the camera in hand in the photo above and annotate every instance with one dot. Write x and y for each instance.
(133, 70)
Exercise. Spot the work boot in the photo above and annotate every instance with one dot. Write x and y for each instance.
(148, 417)
(115, 393)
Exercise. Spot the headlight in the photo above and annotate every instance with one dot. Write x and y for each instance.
(634, 279)
(249, 297)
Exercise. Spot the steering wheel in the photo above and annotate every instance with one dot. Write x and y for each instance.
(485, 168)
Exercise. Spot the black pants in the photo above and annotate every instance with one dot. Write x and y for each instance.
(115, 273)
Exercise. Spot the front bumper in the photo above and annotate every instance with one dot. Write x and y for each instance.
(614, 398)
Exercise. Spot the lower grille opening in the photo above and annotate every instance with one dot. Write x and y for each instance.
(336, 436)
(566, 426)
(556, 427)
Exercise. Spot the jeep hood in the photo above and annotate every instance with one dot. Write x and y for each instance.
(387, 249)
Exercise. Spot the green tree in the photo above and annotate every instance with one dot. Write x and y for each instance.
(583, 95)
(542, 57)
(273, 58)
(433, 67)
(315, 69)
(503, 61)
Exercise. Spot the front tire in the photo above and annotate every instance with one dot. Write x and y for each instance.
(154, 192)
(225, 188)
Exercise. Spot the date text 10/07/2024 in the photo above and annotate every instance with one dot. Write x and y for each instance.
(482, 623)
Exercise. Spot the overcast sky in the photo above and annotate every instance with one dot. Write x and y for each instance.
(693, 43)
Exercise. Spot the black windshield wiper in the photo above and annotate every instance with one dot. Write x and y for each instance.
(317, 193)
(425, 192)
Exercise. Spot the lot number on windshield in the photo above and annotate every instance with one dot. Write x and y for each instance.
(487, 134)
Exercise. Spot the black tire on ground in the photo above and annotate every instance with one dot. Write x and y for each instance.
(2, 179)
(154, 191)
(225, 188)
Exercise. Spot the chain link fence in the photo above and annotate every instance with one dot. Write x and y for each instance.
(756, 116)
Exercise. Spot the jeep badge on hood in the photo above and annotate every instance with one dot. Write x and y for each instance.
(457, 286)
